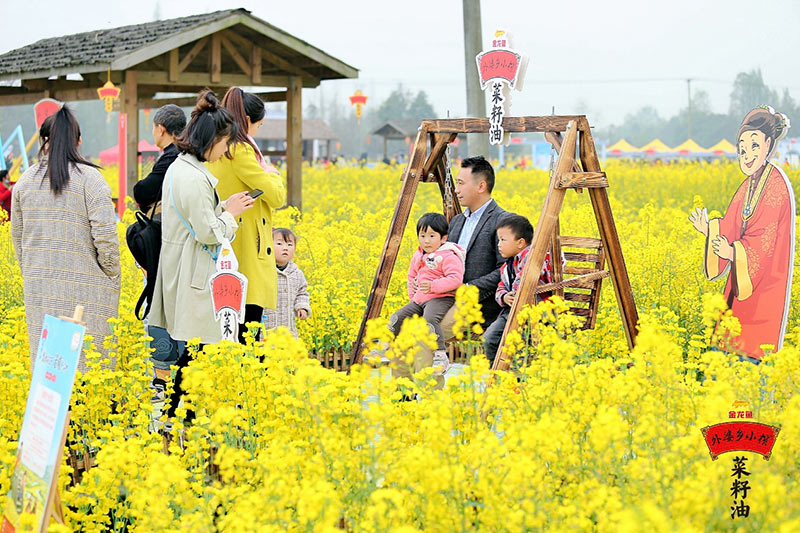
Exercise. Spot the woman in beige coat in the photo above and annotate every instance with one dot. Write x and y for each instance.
(65, 236)
(193, 224)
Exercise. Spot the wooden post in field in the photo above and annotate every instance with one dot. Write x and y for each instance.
(294, 142)
(130, 106)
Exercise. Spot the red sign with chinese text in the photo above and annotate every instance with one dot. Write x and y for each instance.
(226, 291)
(740, 436)
(498, 65)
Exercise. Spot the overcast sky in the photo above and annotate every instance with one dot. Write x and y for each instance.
(605, 58)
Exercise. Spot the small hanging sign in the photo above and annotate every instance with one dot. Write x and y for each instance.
(500, 69)
(228, 292)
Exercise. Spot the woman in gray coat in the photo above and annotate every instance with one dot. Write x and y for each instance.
(65, 236)
(193, 224)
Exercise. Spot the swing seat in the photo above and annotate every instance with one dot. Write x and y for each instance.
(582, 277)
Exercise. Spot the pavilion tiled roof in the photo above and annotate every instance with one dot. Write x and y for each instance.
(100, 47)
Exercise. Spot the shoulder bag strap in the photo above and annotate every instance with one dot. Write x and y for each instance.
(213, 254)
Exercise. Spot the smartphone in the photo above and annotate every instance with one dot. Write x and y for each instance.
(255, 193)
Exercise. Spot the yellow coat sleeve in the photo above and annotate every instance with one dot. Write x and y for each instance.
(249, 171)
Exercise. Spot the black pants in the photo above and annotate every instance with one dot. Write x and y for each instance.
(252, 313)
(183, 361)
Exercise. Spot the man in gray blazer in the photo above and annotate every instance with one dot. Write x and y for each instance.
(475, 230)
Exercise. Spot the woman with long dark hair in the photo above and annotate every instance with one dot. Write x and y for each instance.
(65, 235)
(193, 224)
(244, 168)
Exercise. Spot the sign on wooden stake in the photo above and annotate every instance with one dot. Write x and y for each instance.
(500, 69)
(228, 292)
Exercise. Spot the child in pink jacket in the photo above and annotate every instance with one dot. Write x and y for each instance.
(436, 271)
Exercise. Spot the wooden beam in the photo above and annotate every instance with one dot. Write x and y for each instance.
(273, 96)
(198, 80)
(255, 65)
(173, 65)
(294, 142)
(510, 124)
(131, 108)
(57, 71)
(436, 154)
(555, 256)
(189, 57)
(270, 56)
(66, 91)
(411, 179)
(176, 40)
(22, 98)
(190, 101)
(610, 238)
(578, 180)
(301, 47)
(237, 57)
(215, 58)
(542, 240)
(75, 95)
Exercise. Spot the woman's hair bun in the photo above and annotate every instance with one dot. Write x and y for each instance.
(207, 101)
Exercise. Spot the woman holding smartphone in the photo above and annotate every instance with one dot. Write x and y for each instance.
(244, 168)
(194, 222)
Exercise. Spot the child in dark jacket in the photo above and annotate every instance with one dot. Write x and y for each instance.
(514, 236)
(436, 271)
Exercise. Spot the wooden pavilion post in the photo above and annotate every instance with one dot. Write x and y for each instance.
(130, 106)
(294, 142)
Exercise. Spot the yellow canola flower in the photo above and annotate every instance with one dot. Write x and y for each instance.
(584, 434)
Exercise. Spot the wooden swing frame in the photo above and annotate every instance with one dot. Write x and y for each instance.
(427, 164)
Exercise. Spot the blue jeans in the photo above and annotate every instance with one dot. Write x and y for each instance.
(493, 334)
(165, 350)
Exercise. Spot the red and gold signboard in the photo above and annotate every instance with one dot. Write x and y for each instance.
(740, 437)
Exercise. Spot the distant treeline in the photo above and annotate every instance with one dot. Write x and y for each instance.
(707, 128)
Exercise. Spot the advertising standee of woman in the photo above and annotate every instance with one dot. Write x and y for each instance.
(753, 243)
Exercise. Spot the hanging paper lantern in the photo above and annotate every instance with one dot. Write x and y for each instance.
(359, 100)
(108, 93)
(146, 113)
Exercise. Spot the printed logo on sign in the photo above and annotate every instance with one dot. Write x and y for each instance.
(500, 69)
(740, 435)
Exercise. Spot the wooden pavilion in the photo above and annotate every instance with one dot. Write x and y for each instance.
(396, 130)
(183, 55)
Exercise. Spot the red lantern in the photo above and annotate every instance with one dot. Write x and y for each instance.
(108, 93)
(359, 100)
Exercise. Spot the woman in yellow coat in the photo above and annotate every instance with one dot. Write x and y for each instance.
(243, 167)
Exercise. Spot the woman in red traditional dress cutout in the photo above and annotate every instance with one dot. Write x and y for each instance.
(754, 241)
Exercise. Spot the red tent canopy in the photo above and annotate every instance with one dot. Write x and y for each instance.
(110, 156)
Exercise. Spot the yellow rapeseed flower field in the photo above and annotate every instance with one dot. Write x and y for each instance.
(589, 437)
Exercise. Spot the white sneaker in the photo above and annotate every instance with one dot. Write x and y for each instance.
(440, 362)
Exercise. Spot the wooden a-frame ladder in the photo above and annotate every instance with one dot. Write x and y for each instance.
(579, 285)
